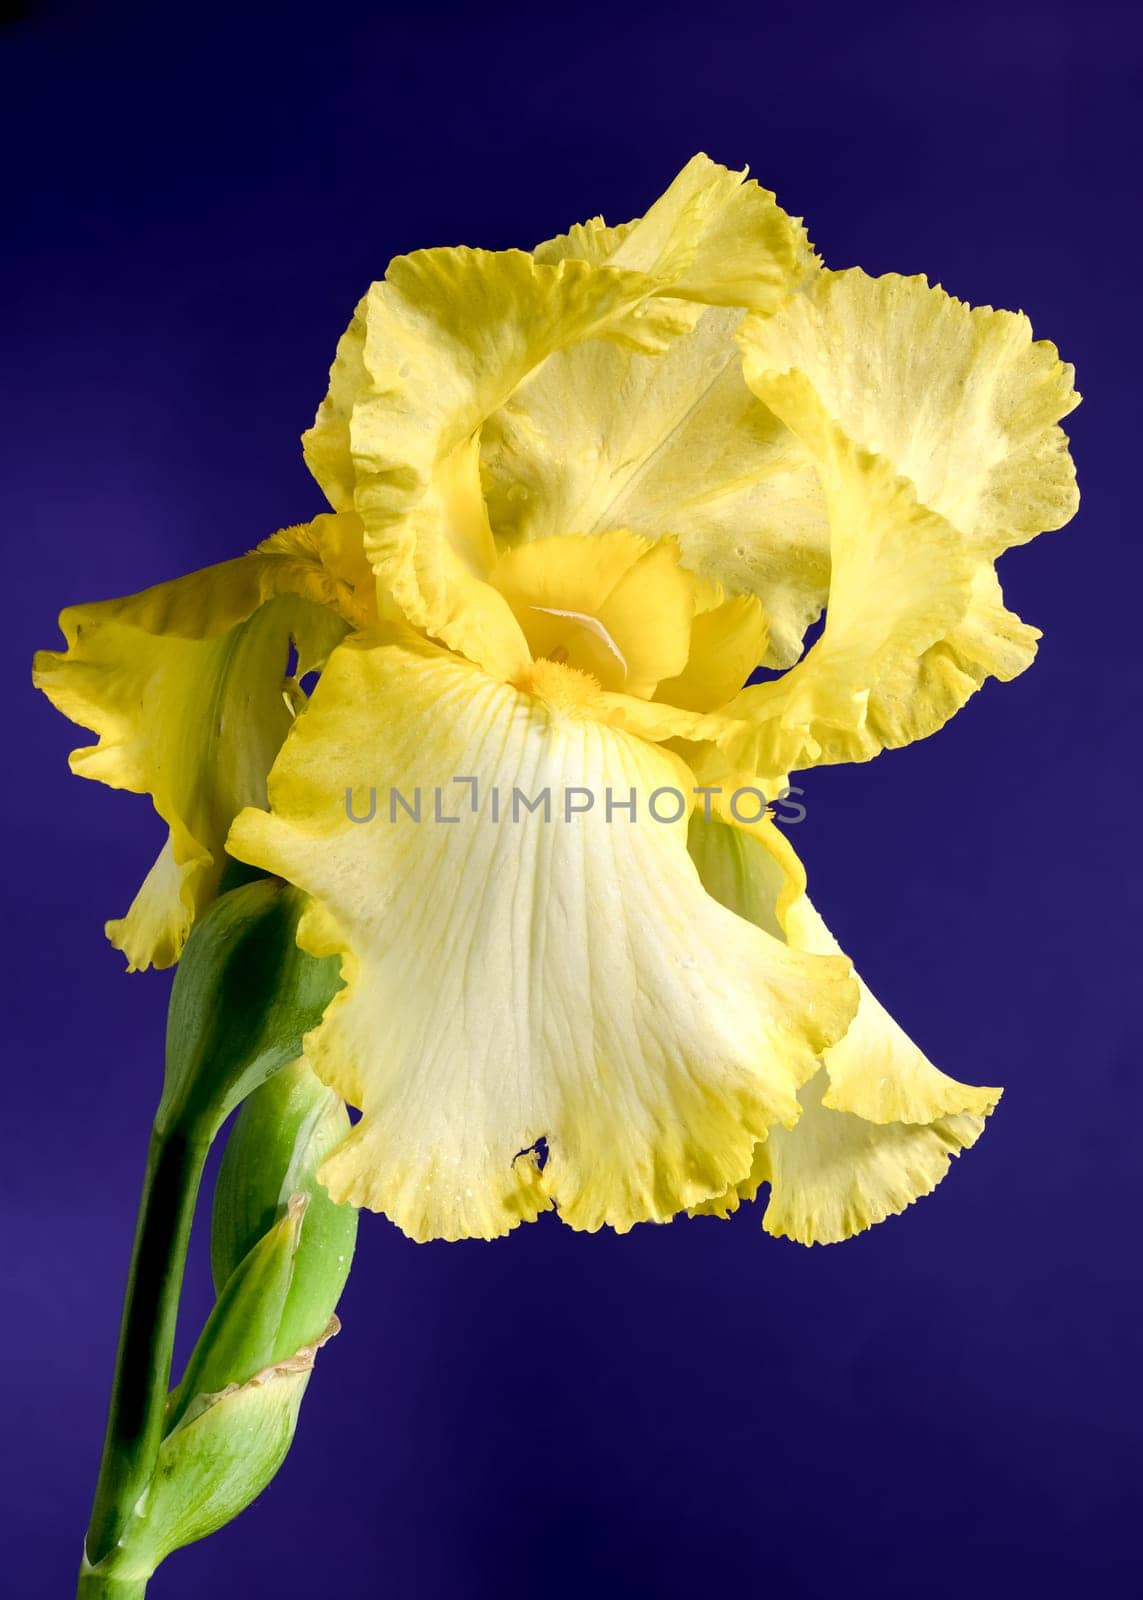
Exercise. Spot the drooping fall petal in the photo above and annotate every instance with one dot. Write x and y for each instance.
(879, 1123)
(836, 1174)
(559, 977)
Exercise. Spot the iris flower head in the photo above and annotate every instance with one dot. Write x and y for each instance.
(578, 495)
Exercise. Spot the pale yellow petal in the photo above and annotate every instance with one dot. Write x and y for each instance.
(451, 335)
(834, 1174)
(876, 1071)
(158, 920)
(654, 720)
(603, 438)
(531, 978)
(442, 342)
(879, 1122)
(326, 444)
(186, 686)
(914, 626)
(592, 241)
(959, 399)
(934, 429)
(447, 584)
(717, 238)
(713, 236)
(323, 561)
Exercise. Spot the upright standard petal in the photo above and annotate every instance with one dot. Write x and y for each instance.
(602, 438)
(712, 236)
(436, 347)
(934, 428)
(450, 335)
(543, 967)
(960, 399)
(879, 1123)
(186, 685)
(896, 657)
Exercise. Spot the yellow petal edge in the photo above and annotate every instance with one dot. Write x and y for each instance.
(879, 1123)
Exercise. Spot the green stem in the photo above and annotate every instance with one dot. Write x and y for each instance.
(135, 1420)
(102, 1586)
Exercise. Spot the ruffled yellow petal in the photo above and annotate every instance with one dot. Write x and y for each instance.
(159, 918)
(712, 236)
(934, 430)
(558, 977)
(450, 336)
(602, 438)
(432, 350)
(323, 561)
(879, 1122)
(960, 400)
(327, 445)
(876, 1071)
(592, 241)
(915, 623)
(834, 1175)
(718, 239)
(186, 686)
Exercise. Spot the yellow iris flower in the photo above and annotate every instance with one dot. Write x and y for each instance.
(578, 495)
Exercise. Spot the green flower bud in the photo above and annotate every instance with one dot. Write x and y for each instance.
(281, 1251)
(217, 1460)
(243, 998)
(244, 1332)
(281, 1294)
(281, 1137)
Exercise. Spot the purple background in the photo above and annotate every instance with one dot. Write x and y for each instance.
(947, 1405)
